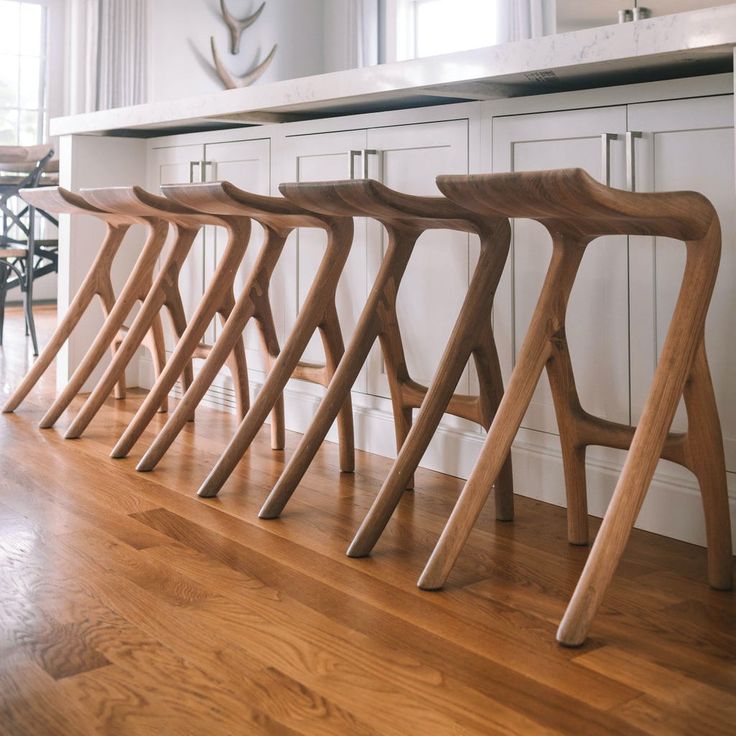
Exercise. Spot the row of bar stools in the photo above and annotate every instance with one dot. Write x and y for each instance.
(576, 209)
(98, 283)
(405, 217)
(186, 222)
(278, 218)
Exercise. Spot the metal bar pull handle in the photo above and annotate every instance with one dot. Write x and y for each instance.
(364, 155)
(192, 164)
(631, 159)
(203, 170)
(606, 139)
(352, 155)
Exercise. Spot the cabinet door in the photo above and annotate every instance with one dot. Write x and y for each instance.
(685, 144)
(408, 158)
(598, 319)
(180, 165)
(324, 157)
(247, 165)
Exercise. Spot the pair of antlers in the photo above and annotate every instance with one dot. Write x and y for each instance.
(236, 28)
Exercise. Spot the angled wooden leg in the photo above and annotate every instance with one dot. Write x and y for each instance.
(146, 319)
(334, 348)
(141, 274)
(370, 326)
(156, 345)
(547, 320)
(107, 297)
(206, 309)
(321, 295)
(451, 366)
(238, 366)
(83, 297)
(568, 412)
(675, 364)
(270, 347)
(704, 453)
(178, 319)
(232, 331)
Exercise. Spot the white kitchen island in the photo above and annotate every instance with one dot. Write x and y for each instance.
(646, 105)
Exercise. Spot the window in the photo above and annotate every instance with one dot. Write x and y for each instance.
(418, 28)
(23, 72)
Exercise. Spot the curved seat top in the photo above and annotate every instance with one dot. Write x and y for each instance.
(370, 198)
(571, 200)
(135, 202)
(224, 198)
(57, 200)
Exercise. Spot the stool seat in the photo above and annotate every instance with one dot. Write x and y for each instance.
(575, 209)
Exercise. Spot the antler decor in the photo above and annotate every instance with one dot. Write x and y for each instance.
(236, 28)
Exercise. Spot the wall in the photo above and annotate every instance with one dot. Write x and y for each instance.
(179, 48)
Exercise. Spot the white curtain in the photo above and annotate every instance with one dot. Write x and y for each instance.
(107, 51)
(521, 19)
(362, 23)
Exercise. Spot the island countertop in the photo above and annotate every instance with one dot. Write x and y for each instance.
(679, 45)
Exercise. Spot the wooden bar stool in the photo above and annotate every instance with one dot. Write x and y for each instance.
(576, 209)
(278, 218)
(186, 224)
(97, 282)
(405, 217)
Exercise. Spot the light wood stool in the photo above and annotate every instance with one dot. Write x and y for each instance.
(576, 209)
(278, 218)
(186, 224)
(405, 217)
(97, 282)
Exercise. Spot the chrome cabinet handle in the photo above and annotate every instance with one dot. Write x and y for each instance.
(192, 164)
(606, 139)
(351, 165)
(631, 159)
(203, 170)
(367, 152)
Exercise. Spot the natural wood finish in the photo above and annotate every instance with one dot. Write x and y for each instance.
(186, 223)
(97, 282)
(214, 622)
(278, 219)
(576, 209)
(405, 217)
(317, 313)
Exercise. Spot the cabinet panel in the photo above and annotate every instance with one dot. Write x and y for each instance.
(435, 283)
(598, 319)
(323, 157)
(685, 144)
(247, 165)
(173, 166)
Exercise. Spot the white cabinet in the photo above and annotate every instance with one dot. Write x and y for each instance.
(247, 165)
(407, 158)
(685, 144)
(598, 319)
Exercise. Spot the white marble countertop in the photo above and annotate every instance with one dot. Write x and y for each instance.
(684, 44)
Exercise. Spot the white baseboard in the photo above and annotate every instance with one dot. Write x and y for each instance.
(672, 506)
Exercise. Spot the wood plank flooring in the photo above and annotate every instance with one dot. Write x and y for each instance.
(129, 606)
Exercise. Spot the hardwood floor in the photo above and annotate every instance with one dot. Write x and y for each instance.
(129, 606)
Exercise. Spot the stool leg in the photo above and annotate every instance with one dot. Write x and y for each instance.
(178, 318)
(675, 365)
(706, 459)
(156, 345)
(371, 324)
(547, 319)
(144, 321)
(141, 273)
(319, 300)
(567, 410)
(232, 330)
(334, 350)
(270, 347)
(83, 297)
(238, 365)
(206, 309)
